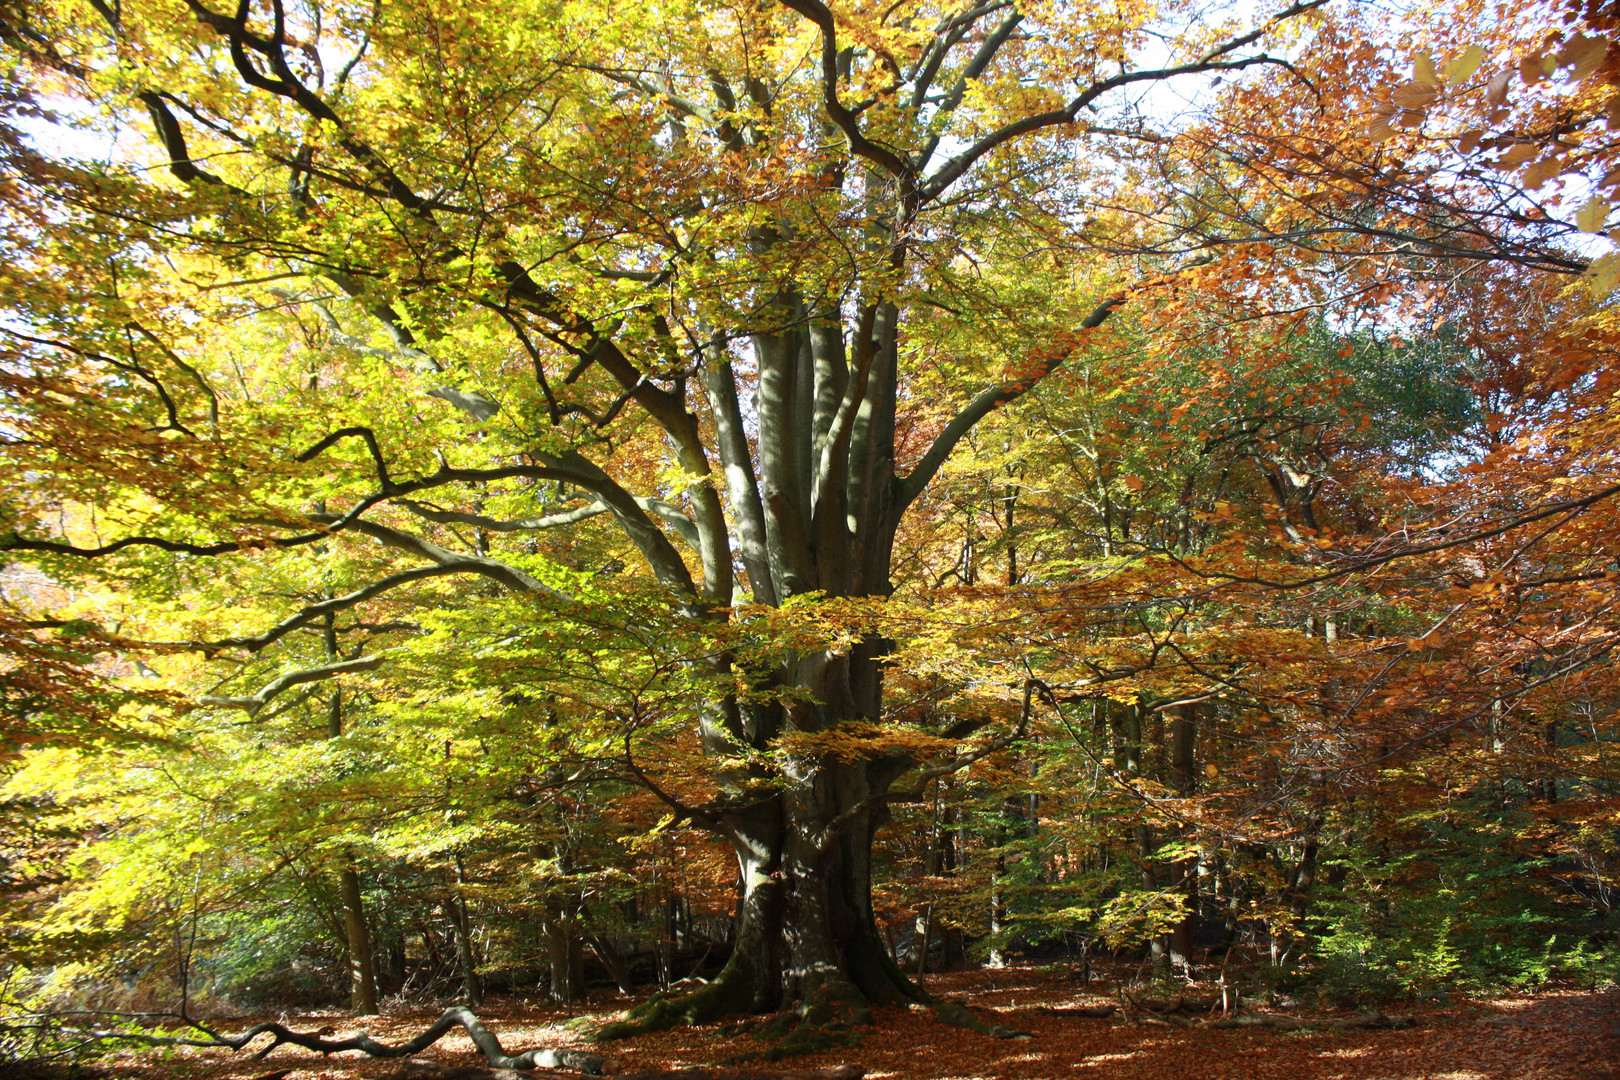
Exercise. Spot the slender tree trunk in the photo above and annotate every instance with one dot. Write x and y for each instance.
(1184, 778)
(562, 952)
(362, 975)
(356, 930)
(455, 907)
(933, 866)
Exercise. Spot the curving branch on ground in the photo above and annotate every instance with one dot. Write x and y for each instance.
(453, 1018)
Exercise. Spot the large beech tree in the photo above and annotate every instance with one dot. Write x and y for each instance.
(441, 280)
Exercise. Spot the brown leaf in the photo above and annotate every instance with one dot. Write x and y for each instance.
(1496, 90)
(1414, 95)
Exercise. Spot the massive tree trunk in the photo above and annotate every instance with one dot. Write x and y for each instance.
(816, 512)
(806, 933)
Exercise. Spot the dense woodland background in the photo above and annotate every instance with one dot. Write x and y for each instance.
(772, 502)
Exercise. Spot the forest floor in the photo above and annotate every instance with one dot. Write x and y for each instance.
(1548, 1035)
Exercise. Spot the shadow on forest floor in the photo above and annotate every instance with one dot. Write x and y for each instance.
(1551, 1035)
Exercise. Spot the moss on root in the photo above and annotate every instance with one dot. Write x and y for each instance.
(663, 1011)
(805, 1039)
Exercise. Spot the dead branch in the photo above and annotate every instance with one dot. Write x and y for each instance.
(453, 1018)
(1364, 1022)
(1085, 1012)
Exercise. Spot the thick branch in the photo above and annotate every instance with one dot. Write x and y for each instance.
(510, 576)
(859, 144)
(173, 139)
(668, 511)
(987, 402)
(336, 604)
(987, 52)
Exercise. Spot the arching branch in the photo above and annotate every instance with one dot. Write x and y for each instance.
(669, 512)
(881, 156)
(335, 604)
(251, 704)
(450, 561)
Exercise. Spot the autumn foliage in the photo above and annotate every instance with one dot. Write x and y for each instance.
(807, 496)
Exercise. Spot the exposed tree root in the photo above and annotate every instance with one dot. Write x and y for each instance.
(956, 1015)
(825, 1019)
(1164, 1007)
(453, 1018)
(663, 1011)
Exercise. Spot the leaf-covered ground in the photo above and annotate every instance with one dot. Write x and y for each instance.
(1551, 1035)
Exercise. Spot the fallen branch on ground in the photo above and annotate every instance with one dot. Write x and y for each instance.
(1087, 1012)
(1364, 1022)
(453, 1018)
(1162, 1007)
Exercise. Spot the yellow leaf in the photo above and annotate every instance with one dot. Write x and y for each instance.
(1603, 274)
(1465, 65)
(1423, 70)
(1592, 216)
